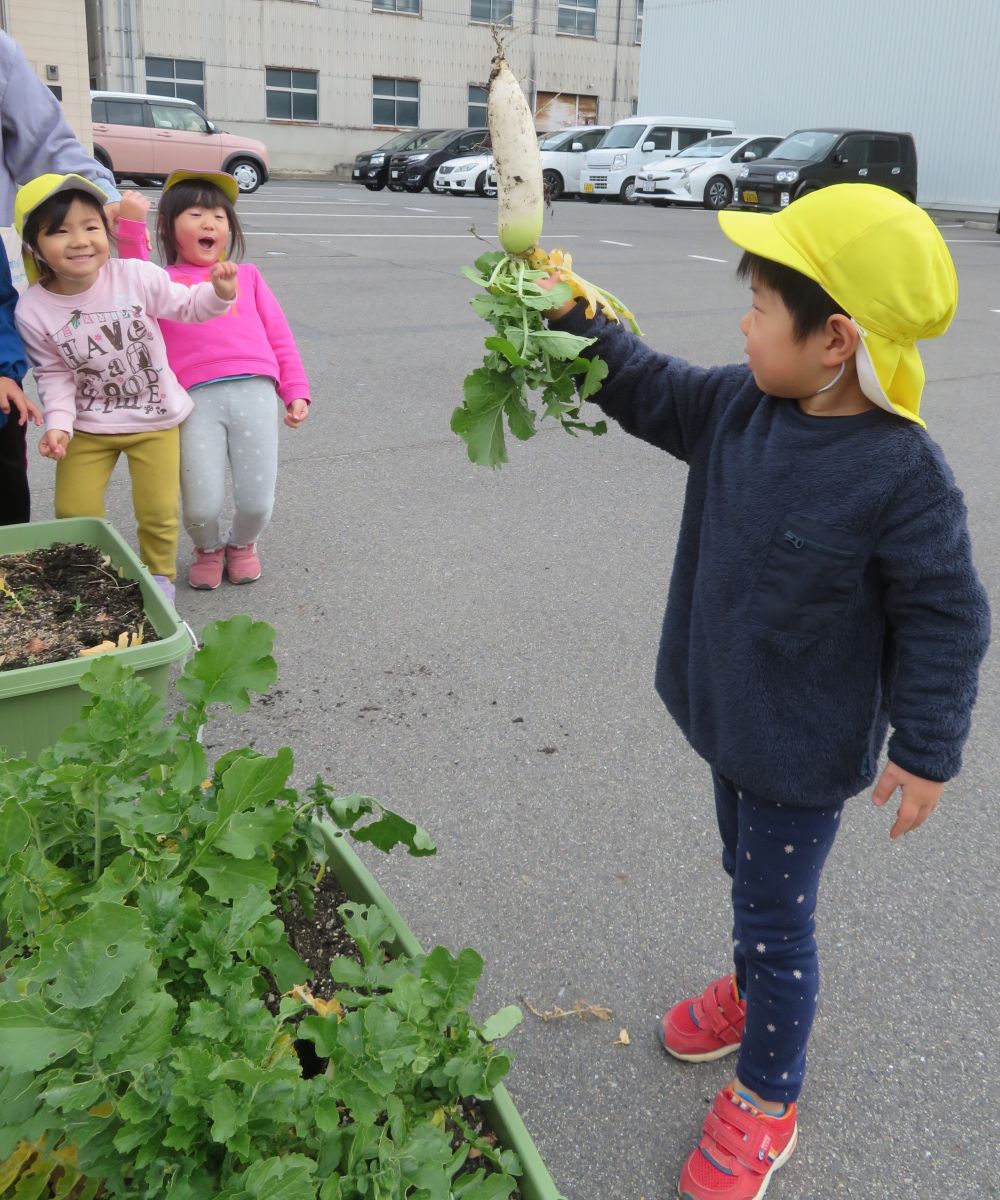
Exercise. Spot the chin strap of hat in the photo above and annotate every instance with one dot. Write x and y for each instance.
(826, 386)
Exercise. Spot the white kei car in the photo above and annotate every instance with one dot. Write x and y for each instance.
(467, 175)
(704, 172)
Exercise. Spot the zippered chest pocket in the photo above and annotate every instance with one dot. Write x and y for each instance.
(810, 572)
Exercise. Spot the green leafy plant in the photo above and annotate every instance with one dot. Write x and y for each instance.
(140, 893)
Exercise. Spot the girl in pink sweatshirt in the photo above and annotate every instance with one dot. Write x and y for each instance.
(90, 326)
(233, 369)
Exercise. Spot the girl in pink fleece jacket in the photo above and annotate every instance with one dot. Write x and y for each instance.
(232, 367)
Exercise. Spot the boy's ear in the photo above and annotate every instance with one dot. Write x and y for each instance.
(841, 340)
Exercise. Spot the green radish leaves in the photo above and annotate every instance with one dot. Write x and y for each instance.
(523, 356)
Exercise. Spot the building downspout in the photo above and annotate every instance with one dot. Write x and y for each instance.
(126, 21)
(618, 46)
(4, 17)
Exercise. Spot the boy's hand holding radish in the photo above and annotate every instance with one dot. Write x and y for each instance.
(223, 279)
(524, 284)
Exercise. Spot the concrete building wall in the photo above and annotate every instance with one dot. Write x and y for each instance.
(778, 65)
(53, 36)
(348, 43)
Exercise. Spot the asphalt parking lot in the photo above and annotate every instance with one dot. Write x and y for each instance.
(476, 648)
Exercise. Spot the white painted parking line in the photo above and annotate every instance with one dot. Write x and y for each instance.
(409, 209)
(706, 258)
(609, 242)
(996, 310)
(972, 241)
(294, 234)
(356, 216)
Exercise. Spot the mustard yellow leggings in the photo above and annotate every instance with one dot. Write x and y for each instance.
(154, 468)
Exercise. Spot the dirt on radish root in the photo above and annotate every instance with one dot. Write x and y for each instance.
(63, 599)
(323, 937)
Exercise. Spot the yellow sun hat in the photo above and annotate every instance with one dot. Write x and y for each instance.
(34, 193)
(224, 182)
(884, 262)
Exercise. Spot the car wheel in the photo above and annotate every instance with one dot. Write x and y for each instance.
(553, 184)
(627, 195)
(482, 186)
(247, 174)
(718, 192)
(374, 187)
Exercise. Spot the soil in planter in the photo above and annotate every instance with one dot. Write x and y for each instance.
(319, 939)
(58, 601)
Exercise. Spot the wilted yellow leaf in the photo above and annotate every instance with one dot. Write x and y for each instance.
(623, 1039)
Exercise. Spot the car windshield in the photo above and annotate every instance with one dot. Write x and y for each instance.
(559, 140)
(710, 148)
(807, 145)
(435, 141)
(620, 136)
(402, 141)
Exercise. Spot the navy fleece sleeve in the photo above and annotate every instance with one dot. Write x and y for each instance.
(940, 619)
(661, 399)
(13, 362)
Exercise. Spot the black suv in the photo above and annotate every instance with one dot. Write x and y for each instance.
(813, 158)
(414, 169)
(372, 169)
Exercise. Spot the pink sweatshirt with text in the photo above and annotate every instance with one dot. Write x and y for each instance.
(99, 357)
(252, 339)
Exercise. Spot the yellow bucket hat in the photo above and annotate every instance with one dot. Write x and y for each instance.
(224, 182)
(35, 193)
(884, 262)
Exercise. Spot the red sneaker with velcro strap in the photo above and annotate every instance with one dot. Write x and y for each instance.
(740, 1149)
(705, 1027)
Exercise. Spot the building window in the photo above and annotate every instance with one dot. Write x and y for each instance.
(400, 6)
(179, 77)
(638, 22)
(477, 105)
(292, 95)
(492, 12)
(395, 102)
(561, 110)
(578, 17)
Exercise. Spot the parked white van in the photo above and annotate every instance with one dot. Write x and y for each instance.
(633, 143)
(563, 153)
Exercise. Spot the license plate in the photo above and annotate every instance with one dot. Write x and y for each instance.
(396, 174)
(749, 197)
(646, 185)
(357, 174)
(588, 187)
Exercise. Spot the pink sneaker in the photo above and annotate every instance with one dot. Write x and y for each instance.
(242, 564)
(205, 572)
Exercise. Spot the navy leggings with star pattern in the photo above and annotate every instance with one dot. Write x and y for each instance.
(774, 855)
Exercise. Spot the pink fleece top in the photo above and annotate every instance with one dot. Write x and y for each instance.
(253, 339)
(99, 357)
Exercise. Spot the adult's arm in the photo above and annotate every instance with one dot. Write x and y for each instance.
(36, 138)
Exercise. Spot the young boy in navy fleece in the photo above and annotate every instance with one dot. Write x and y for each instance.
(823, 589)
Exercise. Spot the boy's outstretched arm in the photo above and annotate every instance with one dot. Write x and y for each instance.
(661, 399)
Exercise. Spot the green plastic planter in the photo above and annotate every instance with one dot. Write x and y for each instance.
(356, 880)
(38, 703)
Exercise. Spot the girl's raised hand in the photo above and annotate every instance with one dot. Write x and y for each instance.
(223, 279)
(296, 413)
(133, 207)
(53, 444)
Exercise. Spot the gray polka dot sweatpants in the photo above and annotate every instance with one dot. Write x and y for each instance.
(774, 855)
(234, 422)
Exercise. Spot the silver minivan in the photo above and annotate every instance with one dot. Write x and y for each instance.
(633, 143)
